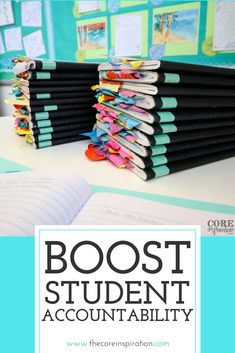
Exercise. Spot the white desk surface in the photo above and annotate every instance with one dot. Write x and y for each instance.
(214, 182)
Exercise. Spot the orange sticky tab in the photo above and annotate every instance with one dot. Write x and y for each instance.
(92, 155)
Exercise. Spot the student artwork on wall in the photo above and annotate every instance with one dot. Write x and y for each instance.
(83, 7)
(34, 44)
(92, 38)
(224, 28)
(13, 39)
(129, 34)
(177, 27)
(189, 31)
(31, 13)
(24, 30)
(217, 35)
(6, 13)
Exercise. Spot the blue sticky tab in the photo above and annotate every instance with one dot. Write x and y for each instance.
(130, 122)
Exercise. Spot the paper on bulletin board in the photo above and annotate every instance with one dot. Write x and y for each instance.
(2, 49)
(177, 26)
(34, 44)
(224, 27)
(13, 39)
(31, 13)
(6, 13)
(92, 37)
(88, 6)
(128, 33)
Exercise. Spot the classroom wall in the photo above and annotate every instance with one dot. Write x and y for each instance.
(191, 31)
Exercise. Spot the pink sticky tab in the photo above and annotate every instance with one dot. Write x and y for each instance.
(123, 105)
(116, 160)
(103, 112)
(107, 119)
(129, 166)
(113, 145)
(114, 115)
(137, 109)
(124, 154)
(131, 138)
(128, 71)
(128, 93)
(113, 128)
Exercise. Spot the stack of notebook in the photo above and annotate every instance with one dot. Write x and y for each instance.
(158, 117)
(53, 101)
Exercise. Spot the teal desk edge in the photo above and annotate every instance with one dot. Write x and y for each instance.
(7, 166)
(198, 205)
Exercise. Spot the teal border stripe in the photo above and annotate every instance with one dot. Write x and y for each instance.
(193, 204)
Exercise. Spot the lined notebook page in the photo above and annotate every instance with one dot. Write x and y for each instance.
(31, 198)
(114, 209)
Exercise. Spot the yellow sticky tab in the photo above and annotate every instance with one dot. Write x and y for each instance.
(124, 125)
(110, 150)
(28, 139)
(16, 101)
(95, 87)
(113, 86)
(122, 166)
(136, 64)
(101, 99)
(21, 131)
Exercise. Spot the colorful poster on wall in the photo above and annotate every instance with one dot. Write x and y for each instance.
(92, 38)
(177, 27)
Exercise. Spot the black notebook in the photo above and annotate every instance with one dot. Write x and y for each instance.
(152, 77)
(166, 116)
(58, 83)
(171, 67)
(51, 65)
(157, 172)
(172, 91)
(62, 121)
(68, 127)
(69, 75)
(59, 95)
(62, 114)
(170, 157)
(174, 137)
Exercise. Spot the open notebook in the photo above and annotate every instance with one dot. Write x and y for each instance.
(57, 198)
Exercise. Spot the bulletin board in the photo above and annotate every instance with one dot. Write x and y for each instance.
(95, 31)
(24, 31)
